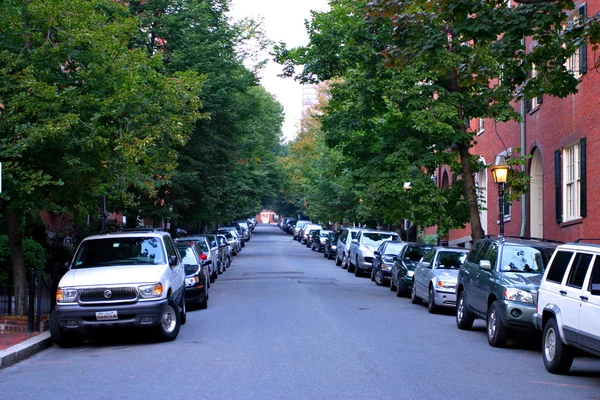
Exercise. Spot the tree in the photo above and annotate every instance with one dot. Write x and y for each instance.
(87, 114)
(413, 74)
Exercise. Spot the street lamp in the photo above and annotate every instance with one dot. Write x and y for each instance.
(407, 187)
(500, 173)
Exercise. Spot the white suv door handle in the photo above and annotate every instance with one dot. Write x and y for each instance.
(563, 292)
(584, 298)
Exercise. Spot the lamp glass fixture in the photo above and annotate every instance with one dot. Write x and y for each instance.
(500, 169)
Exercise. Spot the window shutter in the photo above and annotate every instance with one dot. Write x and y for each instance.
(557, 187)
(527, 105)
(583, 49)
(582, 178)
(540, 99)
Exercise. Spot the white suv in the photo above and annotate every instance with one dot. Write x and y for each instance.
(124, 279)
(568, 306)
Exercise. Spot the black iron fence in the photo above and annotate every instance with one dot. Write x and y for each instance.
(38, 298)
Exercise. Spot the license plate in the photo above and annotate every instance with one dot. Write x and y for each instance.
(106, 315)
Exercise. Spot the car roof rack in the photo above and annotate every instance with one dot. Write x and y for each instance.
(133, 230)
(585, 239)
(524, 238)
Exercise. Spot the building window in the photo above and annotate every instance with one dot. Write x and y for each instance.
(572, 183)
(535, 102)
(481, 126)
(573, 64)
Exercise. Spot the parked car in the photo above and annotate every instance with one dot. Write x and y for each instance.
(404, 266)
(311, 234)
(499, 283)
(568, 306)
(343, 246)
(239, 230)
(383, 261)
(117, 280)
(204, 245)
(330, 248)
(305, 232)
(361, 249)
(225, 250)
(436, 276)
(298, 228)
(232, 239)
(196, 274)
(246, 232)
(318, 240)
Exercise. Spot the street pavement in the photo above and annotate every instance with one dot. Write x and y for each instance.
(285, 323)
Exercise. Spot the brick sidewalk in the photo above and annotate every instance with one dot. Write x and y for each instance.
(9, 339)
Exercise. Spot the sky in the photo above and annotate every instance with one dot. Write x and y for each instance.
(283, 20)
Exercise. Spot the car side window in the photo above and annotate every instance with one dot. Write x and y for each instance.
(473, 253)
(492, 255)
(595, 278)
(170, 247)
(429, 256)
(559, 266)
(579, 270)
(482, 252)
(344, 236)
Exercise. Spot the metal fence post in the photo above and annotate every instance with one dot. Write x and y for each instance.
(31, 301)
(38, 312)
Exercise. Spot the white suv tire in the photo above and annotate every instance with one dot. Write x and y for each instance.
(558, 357)
(170, 322)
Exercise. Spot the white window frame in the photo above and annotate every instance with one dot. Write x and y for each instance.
(481, 126)
(535, 103)
(571, 172)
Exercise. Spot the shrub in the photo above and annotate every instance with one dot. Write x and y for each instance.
(33, 253)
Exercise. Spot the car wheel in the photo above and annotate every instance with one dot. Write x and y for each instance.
(170, 322)
(399, 289)
(379, 281)
(350, 265)
(357, 271)
(497, 333)
(558, 357)
(464, 319)
(325, 254)
(344, 262)
(63, 338)
(204, 303)
(312, 248)
(183, 315)
(413, 295)
(431, 306)
(338, 262)
(392, 286)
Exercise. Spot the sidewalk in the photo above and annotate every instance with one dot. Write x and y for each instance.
(17, 345)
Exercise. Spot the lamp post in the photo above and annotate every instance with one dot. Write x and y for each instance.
(407, 187)
(500, 173)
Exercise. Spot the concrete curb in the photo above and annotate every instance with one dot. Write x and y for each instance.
(21, 351)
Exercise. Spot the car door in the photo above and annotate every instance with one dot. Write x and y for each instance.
(423, 273)
(354, 247)
(573, 293)
(485, 279)
(475, 289)
(589, 312)
(177, 271)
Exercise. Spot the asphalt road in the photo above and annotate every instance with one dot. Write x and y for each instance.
(285, 323)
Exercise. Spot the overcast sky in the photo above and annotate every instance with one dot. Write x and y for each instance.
(283, 21)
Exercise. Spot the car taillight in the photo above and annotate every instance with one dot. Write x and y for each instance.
(203, 257)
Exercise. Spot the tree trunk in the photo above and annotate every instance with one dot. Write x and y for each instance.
(15, 241)
(470, 192)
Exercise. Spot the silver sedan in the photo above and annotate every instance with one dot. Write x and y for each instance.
(435, 277)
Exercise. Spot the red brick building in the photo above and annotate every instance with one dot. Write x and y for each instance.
(562, 136)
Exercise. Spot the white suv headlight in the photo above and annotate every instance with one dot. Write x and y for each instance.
(151, 291)
(522, 296)
(66, 295)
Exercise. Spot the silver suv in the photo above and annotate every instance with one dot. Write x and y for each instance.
(568, 307)
(125, 279)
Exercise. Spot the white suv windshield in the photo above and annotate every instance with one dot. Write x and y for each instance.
(119, 251)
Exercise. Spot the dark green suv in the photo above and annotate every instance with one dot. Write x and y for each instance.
(499, 283)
